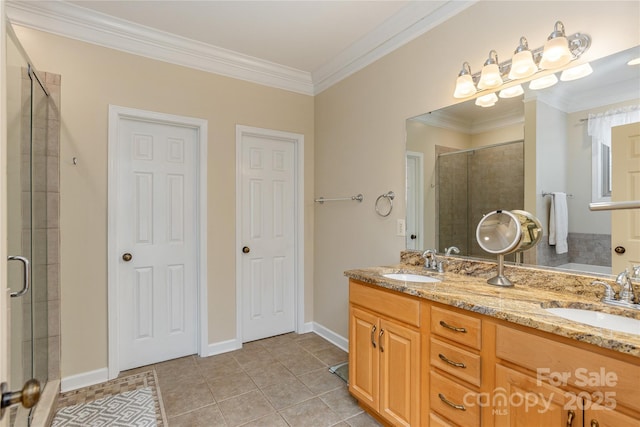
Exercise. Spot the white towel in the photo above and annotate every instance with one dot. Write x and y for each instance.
(559, 223)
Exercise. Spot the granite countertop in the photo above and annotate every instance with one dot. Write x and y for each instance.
(464, 285)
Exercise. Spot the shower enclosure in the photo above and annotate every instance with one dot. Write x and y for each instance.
(32, 216)
(472, 183)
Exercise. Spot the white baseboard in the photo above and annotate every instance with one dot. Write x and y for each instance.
(222, 347)
(84, 379)
(331, 336)
(306, 328)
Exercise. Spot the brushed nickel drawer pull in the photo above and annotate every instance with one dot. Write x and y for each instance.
(373, 332)
(570, 416)
(453, 328)
(453, 405)
(451, 362)
(380, 340)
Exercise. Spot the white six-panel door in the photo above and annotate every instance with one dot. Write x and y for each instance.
(267, 216)
(625, 224)
(157, 287)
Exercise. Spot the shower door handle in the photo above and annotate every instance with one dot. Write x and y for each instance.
(27, 279)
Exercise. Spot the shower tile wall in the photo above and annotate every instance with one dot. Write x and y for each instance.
(584, 248)
(46, 232)
(451, 195)
(472, 184)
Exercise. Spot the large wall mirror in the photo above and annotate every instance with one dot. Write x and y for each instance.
(464, 161)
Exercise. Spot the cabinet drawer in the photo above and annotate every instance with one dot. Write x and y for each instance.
(456, 361)
(456, 326)
(404, 309)
(436, 421)
(569, 365)
(451, 400)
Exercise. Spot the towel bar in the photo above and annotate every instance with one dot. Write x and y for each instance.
(357, 198)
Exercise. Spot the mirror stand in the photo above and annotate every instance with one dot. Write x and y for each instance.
(500, 279)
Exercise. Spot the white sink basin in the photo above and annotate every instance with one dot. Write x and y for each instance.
(411, 278)
(599, 319)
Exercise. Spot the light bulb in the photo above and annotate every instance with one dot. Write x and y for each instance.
(511, 92)
(487, 100)
(576, 73)
(543, 82)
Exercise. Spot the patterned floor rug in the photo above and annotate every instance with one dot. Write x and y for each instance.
(133, 400)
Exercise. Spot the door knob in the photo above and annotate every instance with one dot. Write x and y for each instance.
(620, 250)
(28, 396)
(246, 250)
(127, 257)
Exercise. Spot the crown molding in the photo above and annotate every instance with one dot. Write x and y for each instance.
(75, 22)
(443, 119)
(408, 23)
(68, 20)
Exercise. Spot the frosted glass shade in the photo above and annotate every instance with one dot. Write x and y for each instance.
(522, 65)
(543, 82)
(464, 86)
(490, 77)
(511, 92)
(576, 73)
(556, 53)
(487, 100)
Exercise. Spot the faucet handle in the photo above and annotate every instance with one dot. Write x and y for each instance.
(454, 249)
(429, 254)
(636, 272)
(609, 293)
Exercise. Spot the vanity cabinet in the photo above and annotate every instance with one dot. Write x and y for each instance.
(555, 383)
(416, 362)
(521, 398)
(384, 353)
(455, 341)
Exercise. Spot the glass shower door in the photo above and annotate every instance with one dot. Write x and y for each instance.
(26, 229)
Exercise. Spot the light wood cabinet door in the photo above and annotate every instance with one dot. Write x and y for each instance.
(399, 373)
(521, 400)
(364, 356)
(599, 416)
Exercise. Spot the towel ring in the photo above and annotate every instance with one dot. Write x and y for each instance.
(389, 196)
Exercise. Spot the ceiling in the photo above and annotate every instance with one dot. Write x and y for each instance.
(304, 46)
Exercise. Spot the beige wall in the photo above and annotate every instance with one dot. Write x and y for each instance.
(360, 136)
(94, 77)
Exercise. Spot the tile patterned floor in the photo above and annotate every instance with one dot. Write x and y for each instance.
(279, 381)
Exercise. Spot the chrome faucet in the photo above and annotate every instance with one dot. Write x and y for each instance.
(430, 259)
(627, 296)
(627, 293)
(454, 249)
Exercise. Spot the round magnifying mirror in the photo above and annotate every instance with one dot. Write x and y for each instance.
(499, 232)
(531, 230)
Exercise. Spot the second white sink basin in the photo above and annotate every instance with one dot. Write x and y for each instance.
(599, 319)
(411, 278)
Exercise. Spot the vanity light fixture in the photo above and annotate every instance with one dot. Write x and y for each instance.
(511, 92)
(490, 76)
(543, 82)
(577, 72)
(558, 51)
(464, 85)
(487, 100)
(522, 64)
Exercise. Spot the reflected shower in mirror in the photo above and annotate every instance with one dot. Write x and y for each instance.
(466, 158)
